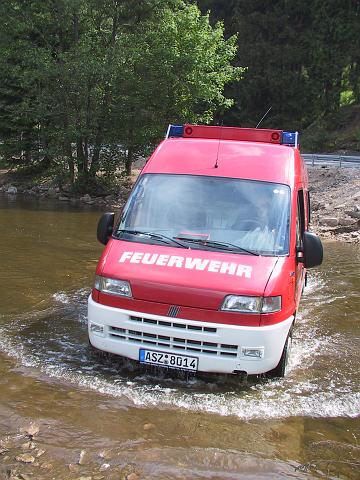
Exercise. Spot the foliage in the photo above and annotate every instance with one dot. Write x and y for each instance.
(335, 132)
(88, 84)
(299, 58)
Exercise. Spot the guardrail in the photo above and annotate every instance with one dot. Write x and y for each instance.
(315, 159)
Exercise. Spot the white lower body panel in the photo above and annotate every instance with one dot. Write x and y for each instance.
(220, 348)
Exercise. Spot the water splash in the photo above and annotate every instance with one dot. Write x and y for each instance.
(53, 341)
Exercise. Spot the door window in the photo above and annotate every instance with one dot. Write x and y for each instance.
(300, 219)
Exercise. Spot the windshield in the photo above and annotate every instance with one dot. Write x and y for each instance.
(208, 212)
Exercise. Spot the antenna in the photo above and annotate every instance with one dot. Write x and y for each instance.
(218, 149)
(262, 118)
(168, 131)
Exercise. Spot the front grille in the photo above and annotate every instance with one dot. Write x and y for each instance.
(169, 324)
(169, 341)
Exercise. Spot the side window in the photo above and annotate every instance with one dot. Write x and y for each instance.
(300, 218)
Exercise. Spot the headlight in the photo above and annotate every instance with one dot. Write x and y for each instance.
(271, 304)
(112, 286)
(245, 304)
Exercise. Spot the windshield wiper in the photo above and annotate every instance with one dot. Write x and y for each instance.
(215, 244)
(157, 236)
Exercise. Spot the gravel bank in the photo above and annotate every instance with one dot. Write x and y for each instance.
(335, 203)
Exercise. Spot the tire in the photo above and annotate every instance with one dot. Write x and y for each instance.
(281, 368)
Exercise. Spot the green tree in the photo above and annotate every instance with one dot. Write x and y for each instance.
(271, 47)
(176, 72)
(331, 50)
(298, 57)
(80, 80)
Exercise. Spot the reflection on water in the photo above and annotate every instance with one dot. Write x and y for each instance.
(49, 260)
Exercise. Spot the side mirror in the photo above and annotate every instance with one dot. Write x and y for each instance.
(313, 250)
(105, 227)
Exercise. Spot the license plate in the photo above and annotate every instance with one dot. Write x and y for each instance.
(170, 360)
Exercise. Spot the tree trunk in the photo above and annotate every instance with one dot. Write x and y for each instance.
(129, 160)
(95, 161)
(86, 154)
(80, 156)
(70, 162)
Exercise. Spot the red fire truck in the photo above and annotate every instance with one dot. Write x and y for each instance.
(206, 265)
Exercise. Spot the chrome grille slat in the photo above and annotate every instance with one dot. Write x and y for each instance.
(173, 342)
(170, 324)
(122, 337)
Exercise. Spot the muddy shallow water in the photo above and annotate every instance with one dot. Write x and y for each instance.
(129, 421)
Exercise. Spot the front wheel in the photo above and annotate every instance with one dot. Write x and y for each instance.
(281, 368)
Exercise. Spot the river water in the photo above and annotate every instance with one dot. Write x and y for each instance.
(304, 426)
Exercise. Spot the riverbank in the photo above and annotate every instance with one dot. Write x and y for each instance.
(335, 203)
(13, 183)
(335, 198)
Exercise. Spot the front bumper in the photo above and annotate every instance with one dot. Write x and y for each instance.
(220, 348)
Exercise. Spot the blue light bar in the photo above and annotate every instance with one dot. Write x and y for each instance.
(175, 131)
(289, 138)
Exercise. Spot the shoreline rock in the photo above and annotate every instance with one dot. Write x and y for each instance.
(335, 203)
(57, 194)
